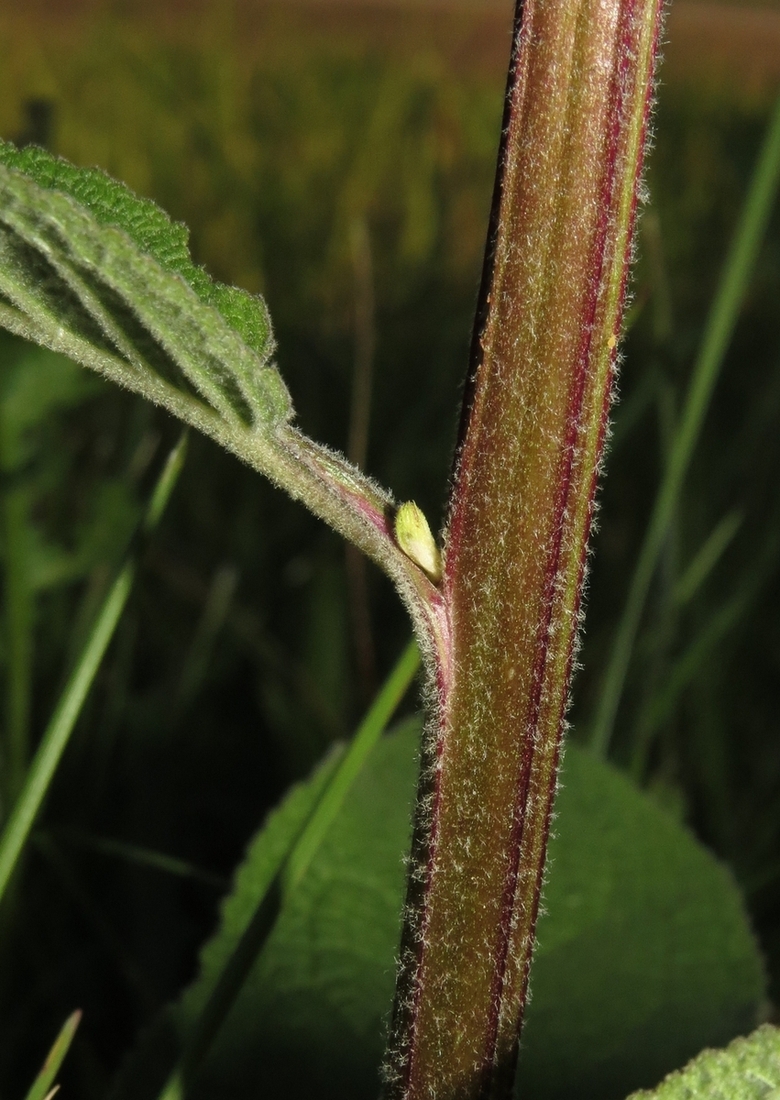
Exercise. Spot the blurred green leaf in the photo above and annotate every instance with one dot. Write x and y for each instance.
(748, 1069)
(147, 1072)
(283, 853)
(644, 957)
(34, 382)
(325, 980)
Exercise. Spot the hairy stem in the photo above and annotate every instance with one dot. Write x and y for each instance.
(521, 510)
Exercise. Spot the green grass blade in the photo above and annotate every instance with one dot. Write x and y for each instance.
(143, 857)
(707, 557)
(292, 865)
(719, 328)
(51, 748)
(721, 623)
(165, 485)
(714, 630)
(57, 734)
(368, 733)
(42, 1085)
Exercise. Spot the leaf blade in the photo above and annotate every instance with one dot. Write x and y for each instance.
(113, 203)
(748, 1069)
(615, 982)
(128, 294)
(89, 270)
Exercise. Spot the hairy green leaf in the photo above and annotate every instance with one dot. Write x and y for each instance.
(89, 269)
(748, 1069)
(644, 957)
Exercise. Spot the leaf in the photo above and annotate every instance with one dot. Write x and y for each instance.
(748, 1069)
(34, 383)
(42, 1085)
(146, 1072)
(254, 877)
(644, 956)
(283, 856)
(89, 269)
(330, 980)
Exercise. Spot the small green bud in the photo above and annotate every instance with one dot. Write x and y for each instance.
(414, 537)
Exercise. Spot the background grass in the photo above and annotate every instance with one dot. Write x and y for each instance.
(282, 135)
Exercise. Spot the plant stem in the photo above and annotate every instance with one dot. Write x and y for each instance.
(532, 434)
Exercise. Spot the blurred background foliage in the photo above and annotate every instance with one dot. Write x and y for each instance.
(339, 158)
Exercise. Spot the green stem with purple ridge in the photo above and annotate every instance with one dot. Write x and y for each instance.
(520, 514)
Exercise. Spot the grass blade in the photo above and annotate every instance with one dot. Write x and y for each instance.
(719, 328)
(368, 733)
(144, 857)
(707, 557)
(42, 1085)
(715, 629)
(57, 734)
